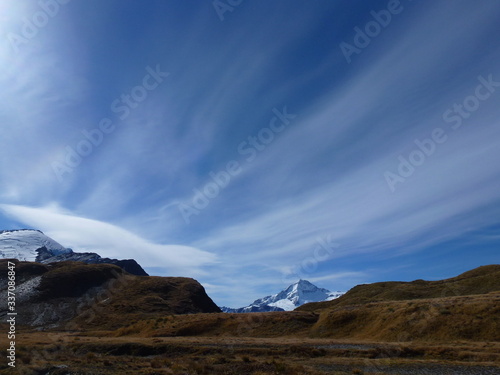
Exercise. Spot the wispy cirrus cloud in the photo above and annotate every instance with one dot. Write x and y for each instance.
(322, 176)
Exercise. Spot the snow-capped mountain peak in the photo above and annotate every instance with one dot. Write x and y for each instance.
(296, 295)
(293, 296)
(23, 244)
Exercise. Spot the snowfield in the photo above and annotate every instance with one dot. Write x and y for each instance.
(22, 244)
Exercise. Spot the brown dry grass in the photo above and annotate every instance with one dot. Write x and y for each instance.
(273, 324)
(475, 318)
(101, 353)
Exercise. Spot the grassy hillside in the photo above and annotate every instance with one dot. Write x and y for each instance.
(471, 318)
(480, 280)
(138, 298)
(475, 318)
(104, 295)
(466, 307)
(460, 308)
(79, 297)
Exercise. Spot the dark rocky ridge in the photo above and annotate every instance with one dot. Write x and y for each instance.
(129, 265)
(19, 230)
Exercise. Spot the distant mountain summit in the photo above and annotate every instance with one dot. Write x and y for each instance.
(295, 295)
(34, 246)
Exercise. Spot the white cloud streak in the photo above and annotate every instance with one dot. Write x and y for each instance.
(82, 234)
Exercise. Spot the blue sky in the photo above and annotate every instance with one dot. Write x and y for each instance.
(248, 145)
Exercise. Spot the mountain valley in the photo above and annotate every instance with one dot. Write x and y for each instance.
(98, 318)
